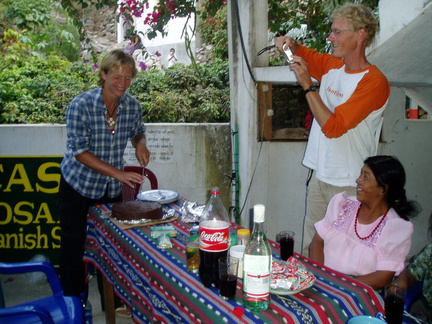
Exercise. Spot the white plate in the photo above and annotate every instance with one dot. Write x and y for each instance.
(160, 195)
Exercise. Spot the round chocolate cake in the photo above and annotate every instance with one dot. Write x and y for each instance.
(136, 210)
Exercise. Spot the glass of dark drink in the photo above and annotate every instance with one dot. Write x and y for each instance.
(228, 268)
(394, 300)
(286, 242)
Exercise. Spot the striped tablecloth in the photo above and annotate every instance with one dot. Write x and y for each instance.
(159, 289)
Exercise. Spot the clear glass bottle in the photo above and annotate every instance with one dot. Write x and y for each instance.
(257, 266)
(213, 238)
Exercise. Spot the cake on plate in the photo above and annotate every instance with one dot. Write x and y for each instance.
(137, 210)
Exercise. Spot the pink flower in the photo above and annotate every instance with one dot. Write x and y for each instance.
(95, 66)
(138, 13)
(143, 66)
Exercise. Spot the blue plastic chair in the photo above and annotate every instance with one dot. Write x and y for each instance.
(413, 294)
(54, 309)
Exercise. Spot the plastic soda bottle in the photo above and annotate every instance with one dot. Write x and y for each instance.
(213, 238)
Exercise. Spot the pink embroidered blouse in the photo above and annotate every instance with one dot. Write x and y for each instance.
(386, 249)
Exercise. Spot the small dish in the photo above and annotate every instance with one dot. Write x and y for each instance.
(364, 319)
(285, 273)
(159, 195)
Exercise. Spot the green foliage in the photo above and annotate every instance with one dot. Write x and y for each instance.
(287, 16)
(30, 15)
(34, 21)
(214, 30)
(38, 88)
(180, 95)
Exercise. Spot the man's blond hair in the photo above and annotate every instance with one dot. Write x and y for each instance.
(361, 17)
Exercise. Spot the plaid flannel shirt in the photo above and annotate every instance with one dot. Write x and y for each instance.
(87, 130)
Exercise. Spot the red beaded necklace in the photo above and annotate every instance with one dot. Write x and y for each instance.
(374, 230)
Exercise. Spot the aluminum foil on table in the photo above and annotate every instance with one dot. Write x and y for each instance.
(166, 214)
(191, 211)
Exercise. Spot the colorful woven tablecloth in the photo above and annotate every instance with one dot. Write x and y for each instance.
(157, 286)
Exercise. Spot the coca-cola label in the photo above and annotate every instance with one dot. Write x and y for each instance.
(214, 239)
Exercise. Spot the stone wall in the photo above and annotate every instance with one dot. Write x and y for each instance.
(100, 27)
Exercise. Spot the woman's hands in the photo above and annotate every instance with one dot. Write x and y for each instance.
(316, 249)
(377, 279)
(131, 178)
(141, 151)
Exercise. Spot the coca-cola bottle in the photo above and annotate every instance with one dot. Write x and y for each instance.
(213, 238)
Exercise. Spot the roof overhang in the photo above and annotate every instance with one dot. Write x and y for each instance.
(405, 58)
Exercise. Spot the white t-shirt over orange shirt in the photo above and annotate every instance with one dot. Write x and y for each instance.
(357, 99)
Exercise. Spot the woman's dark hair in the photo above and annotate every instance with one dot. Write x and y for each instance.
(390, 175)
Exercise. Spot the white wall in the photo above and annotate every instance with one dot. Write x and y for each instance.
(410, 141)
(395, 14)
(188, 158)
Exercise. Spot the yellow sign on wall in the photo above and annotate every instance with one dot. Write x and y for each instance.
(29, 223)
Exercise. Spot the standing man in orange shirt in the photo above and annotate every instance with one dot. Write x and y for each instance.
(347, 108)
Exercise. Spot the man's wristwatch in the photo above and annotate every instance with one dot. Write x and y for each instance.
(312, 88)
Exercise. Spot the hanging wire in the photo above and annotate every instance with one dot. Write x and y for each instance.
(237, 14)
(242, 41)
(265, 49)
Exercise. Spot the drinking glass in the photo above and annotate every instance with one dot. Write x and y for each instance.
(228, 268)
(192, 256)
(394, 300)
(286, 242)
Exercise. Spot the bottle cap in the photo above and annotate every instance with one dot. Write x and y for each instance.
(238, 311)
(215, 191)
(259, 211)
(243, 231)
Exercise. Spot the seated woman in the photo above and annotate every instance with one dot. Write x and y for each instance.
(133, 45)
(368, 236)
